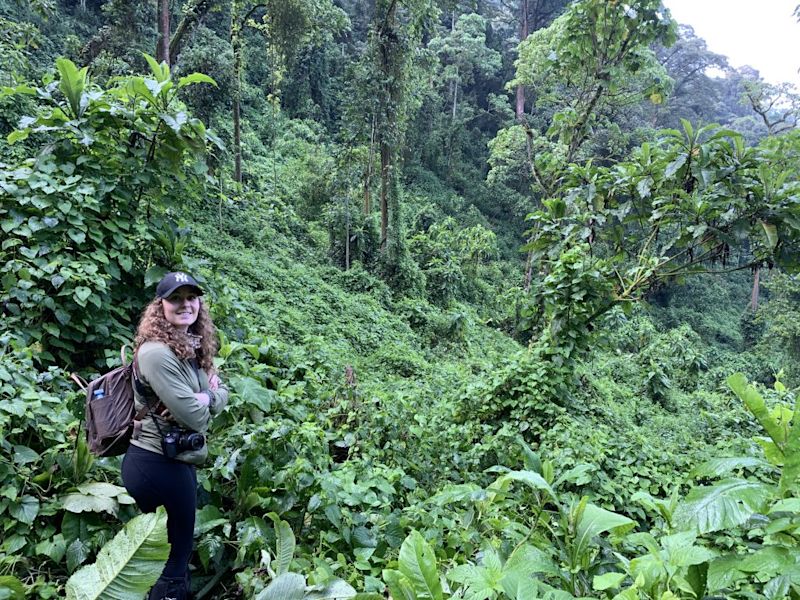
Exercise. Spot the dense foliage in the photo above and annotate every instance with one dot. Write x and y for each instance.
(502, 315)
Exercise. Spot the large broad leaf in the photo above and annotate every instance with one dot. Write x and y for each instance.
(128, 565)
(593, 522)
(607, 581)
(418, 563)
(78, 503)
(770, 234)
(11, 588)
(517, 580)
(72, 83)
(527, 559)
(531, 479)
(284, 544)
(790, 476)
(756, 405)
(726, 504)
(252, 392)
(333, 590)
(400, 588)
(195, 78)
(718, 467)
(289, 586)
(482, 581)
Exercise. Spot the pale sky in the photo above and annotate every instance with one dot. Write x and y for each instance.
(764, 34)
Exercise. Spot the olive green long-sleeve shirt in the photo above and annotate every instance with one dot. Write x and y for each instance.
(174, 381)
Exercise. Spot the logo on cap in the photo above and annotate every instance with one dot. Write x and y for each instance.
(182, 277)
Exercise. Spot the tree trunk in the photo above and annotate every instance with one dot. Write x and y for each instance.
(388, 99)
(368, 172)
(162, 47)
(192, 16)
(523, 35)
(754, 295)
(347, 233)
(236, 93)
(386, 168)
(455, 97)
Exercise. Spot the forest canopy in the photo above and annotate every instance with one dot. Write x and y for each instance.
(506, 295)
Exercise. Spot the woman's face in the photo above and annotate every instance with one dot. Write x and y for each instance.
(181, 307)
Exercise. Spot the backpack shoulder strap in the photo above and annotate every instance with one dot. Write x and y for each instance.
(143, 390)
(145, 393)
(82, 383)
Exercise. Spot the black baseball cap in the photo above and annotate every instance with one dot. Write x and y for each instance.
(172, 281)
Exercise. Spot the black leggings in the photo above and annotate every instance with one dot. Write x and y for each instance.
(154, 480)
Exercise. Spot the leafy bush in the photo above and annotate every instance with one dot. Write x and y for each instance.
(80, 216)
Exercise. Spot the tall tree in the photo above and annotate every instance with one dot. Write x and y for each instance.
(778, 107)
(594, 57)
(533, 15)
(287, 26)
(396, 29)
(162, 45)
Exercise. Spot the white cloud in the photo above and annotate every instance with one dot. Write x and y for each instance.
(764, 35)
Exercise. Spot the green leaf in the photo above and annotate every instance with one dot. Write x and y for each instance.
(77, 236)
(287, 586)
(675, 165)
(770, 233)
(722, 506)
(209, 517)
(593, 522)
(400, 588)
(718, 467)
(17, 135)
(697, 577)
(771, 560)
(128, 565)
(54, 548)
(25, 509)
(790, 476)
(756, 405)
(81, 294)
(418, 564)
(332, 590)
(529, 478)
(11, 588)
(607, 581)
(152, 276)
(787, 505)
(101, 489)
(160, 70)
(284, 544)
(77, 552)
(72, 83)
(78, 503)
(527, 559)
(24, 455)
(252, 392)
(195, 78)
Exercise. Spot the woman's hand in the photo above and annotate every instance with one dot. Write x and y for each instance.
(165, 414)
(214, 382)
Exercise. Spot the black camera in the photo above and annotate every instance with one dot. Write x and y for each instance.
(179, 440)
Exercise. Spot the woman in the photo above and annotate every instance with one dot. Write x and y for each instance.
(174, 375)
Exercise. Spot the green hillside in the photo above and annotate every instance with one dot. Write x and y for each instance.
(502, 315)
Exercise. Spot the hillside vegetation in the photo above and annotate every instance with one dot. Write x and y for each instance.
(505, 294)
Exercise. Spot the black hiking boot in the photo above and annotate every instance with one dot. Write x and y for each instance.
(169, 588)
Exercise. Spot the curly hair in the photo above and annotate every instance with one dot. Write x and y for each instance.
(154, 327)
